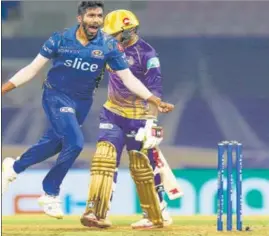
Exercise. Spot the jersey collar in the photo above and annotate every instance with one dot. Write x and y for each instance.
(71, 34)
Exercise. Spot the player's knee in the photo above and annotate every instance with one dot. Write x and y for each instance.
(139, 165)
(77, 147)
(76, 144)
(105, 150)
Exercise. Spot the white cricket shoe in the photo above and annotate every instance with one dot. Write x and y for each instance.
(142, 224)
(8, 173)
(51, 206)
(147, 224)
(167, 219)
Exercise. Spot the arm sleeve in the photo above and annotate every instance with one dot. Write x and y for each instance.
(49, 48)
(153, 76)
(116, 57)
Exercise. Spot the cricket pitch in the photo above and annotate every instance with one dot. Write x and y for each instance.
(41, 225)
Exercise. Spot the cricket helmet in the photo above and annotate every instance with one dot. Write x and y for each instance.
(120, 20)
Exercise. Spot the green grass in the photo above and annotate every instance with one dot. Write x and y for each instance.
(41, 225)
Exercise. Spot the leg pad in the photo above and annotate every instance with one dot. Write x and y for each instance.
(102, 174)
(143, 176)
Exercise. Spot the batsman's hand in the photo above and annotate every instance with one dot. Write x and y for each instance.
(163, 107)
(151, 135)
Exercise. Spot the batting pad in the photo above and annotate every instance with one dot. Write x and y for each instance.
(102, 173)
(143, 177)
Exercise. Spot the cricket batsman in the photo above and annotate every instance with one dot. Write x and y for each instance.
(127, 120)
(78, 57)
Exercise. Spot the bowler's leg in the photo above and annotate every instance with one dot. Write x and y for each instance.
(49, 145)
(61, 111)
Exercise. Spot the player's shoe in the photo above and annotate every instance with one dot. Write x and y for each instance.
(8, 173)
(167, 219)
(90, 220)
(51, 206)
(145, 223)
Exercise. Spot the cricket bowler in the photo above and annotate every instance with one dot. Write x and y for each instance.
(78, 56)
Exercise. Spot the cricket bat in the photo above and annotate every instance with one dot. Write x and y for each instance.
(170, 184)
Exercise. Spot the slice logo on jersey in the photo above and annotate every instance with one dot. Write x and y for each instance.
(79, 64)
(126, 21)
(67, 110)
(97, 54)
(120, 47)
(153, 63)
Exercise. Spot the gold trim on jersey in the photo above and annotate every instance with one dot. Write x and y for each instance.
(136, 111)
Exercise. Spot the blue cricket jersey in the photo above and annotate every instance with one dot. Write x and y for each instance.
(75, 67)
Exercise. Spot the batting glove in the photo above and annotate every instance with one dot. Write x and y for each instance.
(151, 135)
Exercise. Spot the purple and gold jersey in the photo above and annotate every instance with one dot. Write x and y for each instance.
(144, 64)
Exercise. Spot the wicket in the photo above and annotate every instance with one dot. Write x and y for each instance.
(230, 147)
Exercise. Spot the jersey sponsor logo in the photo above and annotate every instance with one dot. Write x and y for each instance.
(153, 63)
(79, 64)
(97, 54)
(68, 50)
(67, 110)
(126, 21)
(105, 126)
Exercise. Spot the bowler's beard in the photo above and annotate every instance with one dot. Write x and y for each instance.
(89, 35)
